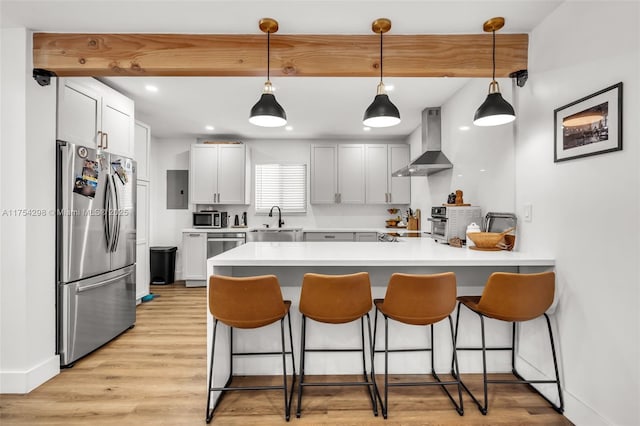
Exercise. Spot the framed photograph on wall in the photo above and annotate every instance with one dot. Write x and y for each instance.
(589, 126)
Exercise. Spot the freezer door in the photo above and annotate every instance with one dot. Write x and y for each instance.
(94, 311)
(81, 217)
(123, 176)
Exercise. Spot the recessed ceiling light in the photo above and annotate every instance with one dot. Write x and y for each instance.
(151, 88)
(366, 129)
(389, 87)
(459, 175)
(483, 170)
(464, 128)
(289, 128)
(209, 127)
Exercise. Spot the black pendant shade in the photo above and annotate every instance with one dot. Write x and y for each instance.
(381, 113)
(267, 112)
(494, 111)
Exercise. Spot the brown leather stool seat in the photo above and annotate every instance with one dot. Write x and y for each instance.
(514, 298)
(421, 300)
(337, 299)
(248, 303)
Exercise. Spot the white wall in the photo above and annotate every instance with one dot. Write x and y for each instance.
(27, 191)
(165, 225)
(482, 157)
(586, 211)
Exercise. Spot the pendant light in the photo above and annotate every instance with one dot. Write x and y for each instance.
(267, 112)
(382, 112)
(495, 110)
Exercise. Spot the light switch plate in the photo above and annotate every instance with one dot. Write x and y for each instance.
(528, 212)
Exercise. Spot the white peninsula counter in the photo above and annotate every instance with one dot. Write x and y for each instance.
(289, 261)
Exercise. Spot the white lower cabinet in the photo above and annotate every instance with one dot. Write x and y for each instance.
(368, 237)
(194, 256)
(142, 270)
(329, 236)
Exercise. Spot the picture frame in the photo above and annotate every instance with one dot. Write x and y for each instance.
(589, 126)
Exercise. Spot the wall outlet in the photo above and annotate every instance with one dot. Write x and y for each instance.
(528, 212)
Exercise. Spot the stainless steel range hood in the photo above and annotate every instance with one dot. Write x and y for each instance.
(432, 160)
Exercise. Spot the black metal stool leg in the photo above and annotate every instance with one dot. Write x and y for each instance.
(386, 367)
(293, 359)
(484, 409)
(460, 407)
(209, 414)
(287, 411)
(302, 356)
(455, 339)
(559, 409)
(374, 391)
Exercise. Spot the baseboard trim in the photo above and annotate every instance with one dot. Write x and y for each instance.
(574, 409)
(25, 381)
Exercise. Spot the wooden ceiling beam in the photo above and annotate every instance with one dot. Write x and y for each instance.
(103, 55)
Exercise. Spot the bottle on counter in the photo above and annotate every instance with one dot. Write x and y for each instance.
(473, 227)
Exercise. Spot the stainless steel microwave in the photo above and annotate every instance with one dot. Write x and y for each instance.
(210, 219)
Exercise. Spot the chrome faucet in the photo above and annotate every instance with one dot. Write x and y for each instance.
(280, 221)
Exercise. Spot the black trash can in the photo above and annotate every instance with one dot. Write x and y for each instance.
(162, 262)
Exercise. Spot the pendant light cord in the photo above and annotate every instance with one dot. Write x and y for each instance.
(269, 53)
(494, 55)
(381, 34)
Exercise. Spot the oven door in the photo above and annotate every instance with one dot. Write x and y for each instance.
(219, 243)
(438, 228)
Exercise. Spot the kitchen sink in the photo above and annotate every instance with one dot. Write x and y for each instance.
(274, 234)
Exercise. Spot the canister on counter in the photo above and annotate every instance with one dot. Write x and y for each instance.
(473, 227)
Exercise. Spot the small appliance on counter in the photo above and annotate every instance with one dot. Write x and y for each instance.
(210, 219)
(500, 222)
(449, 222)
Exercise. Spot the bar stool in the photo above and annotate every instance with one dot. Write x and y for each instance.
(337, 299)
(247, 303)
(421, 300)
(513, 298)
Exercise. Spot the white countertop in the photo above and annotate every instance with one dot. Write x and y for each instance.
(407, 252)
(250, 228)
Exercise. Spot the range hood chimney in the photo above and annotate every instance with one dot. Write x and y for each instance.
(432, 160)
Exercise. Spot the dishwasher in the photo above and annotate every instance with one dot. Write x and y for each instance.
(219, 242)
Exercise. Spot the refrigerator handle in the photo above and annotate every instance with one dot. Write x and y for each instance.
(107, 216)
(116, 230)
(102, 283)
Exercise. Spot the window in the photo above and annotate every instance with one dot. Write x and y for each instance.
(283, 185)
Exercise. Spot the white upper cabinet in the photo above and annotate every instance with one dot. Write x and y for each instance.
(351, 185)
(359, 174)
(381, 162)
(324, 174)
(142, 137)
(399, 187)
(93, 114)
(218, 174)
(337, 174)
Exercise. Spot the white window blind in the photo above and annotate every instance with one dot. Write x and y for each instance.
(283, 185)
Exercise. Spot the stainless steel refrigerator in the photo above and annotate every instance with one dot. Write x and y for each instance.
(95, 248)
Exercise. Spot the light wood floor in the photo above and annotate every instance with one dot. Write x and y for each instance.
(155, 374)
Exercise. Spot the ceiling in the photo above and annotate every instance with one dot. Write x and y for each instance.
(316, 107)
